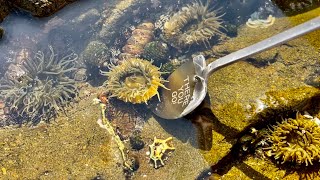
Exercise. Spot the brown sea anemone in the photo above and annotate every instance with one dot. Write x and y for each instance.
(296, 141)
(193, 24)
(135, 80)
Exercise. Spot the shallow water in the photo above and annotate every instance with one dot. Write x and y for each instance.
(218, 140)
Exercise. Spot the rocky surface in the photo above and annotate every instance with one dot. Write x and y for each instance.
(4, 9)
(40, 8)
(74, 146)
(256, 92)
(251, 93)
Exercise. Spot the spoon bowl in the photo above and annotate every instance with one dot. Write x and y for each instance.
(188, 84)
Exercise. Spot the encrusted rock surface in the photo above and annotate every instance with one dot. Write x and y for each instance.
(74, 146)
(4, 9)
(41, 8)
(252, 93)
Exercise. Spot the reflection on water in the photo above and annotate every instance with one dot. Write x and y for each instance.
(49, 123)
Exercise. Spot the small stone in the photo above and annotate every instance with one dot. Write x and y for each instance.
(136, 143)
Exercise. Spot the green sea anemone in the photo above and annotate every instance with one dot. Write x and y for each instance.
(42, 90)
(196, 23)
(296, 141)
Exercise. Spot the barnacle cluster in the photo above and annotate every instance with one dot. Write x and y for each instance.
(135, 80)
(296, 141)
(196, 23)
(42, 90)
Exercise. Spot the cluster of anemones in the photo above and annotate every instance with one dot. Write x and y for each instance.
(295, 140)
(135, 80)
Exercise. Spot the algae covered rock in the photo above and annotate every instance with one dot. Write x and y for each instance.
(156, 51)
(4, 9)
(41, 8)
(95, 54)
(291, 7)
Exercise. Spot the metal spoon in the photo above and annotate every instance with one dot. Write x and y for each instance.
(188, 84)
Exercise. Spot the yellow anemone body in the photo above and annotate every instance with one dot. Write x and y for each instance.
(135, 80)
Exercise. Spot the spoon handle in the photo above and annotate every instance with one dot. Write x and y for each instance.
(280, 38)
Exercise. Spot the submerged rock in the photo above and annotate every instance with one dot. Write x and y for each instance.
(1, 32)
(157, 51)
(4, 9)
(291, 7)
(41, 8)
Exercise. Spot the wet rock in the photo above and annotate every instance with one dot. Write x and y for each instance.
(156, 51)
(4, 9)
(136, 142)
(41, 8)
(14, 72)
(314, 78)
(53, 23)
(87, 151)
(247, 94)
(90, 16)
(95, 54)
(1, 32)
(292, 7)
(80, 74)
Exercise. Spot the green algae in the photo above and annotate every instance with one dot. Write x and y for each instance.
(313, 38)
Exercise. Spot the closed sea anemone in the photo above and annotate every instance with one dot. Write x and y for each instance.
(296, 141)
(196, 23)
(135, 80)
(44, 88)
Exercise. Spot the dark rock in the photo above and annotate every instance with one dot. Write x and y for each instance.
(136, 142)
(1, 32)
(41, 8)
(292, 7)
(157, 51)
(4, 9)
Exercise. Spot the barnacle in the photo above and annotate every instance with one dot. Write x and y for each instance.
(43, 89)
(135, 80)
(295, 140)
(193, 24)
